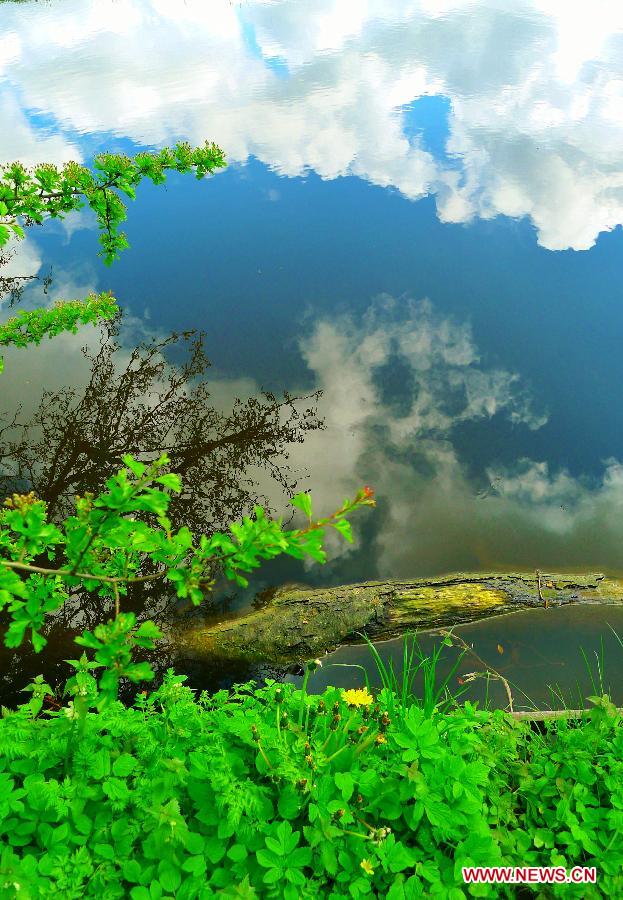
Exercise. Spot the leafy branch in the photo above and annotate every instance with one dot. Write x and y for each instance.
(104, 546)
(30, 327)
(28, 196)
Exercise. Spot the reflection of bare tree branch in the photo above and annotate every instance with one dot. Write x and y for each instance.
(73, 442)
(145, 405)
(76, 439)
(13, 285)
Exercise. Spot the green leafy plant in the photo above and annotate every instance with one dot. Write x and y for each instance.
(103, 547)
(30, 327)
(32, 195)
(228, 796)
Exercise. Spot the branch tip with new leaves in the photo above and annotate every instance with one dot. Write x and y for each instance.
(31, 326)
(28, 196)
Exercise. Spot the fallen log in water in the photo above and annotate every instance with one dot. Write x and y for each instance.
(299, 622)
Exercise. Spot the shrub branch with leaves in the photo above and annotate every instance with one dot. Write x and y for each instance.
(29, 196)
(104, 545)
(30, 327)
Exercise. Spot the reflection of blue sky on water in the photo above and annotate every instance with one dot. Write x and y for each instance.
(425, 120)
(506, 130)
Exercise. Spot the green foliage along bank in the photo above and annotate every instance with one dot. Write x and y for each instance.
(269, 793)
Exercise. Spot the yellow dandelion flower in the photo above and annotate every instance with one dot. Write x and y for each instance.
(381, 739)
(366, 865)
(358, 697)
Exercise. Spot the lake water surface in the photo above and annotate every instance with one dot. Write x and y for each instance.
(420, 217)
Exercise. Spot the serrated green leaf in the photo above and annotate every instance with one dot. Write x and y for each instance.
(303, 501)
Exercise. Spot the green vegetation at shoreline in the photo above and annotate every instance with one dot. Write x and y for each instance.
(270, 792)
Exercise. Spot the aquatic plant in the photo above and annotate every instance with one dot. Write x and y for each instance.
(437, 696)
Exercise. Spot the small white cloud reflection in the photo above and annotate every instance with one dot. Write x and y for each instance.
(21, 258)
(535, 91)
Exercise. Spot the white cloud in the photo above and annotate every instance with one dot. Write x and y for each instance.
(374, 426)
(536, 93)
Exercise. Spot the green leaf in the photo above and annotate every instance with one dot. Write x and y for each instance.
(148, 630)
(140, 893)
(105, 850)
(170, 481)
(193, 842)
(139, 672)
(289, 803)
(132, 870)
(344, 527)
(345, 783)
(237, 852)
(124, 765)
(196, 865)
(303, 501)
(329, 857)
(169, 876)
(100, 765)
(83, 823)
(268, 859)
(299, 857)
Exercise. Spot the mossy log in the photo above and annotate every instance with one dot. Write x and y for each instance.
(299, 621)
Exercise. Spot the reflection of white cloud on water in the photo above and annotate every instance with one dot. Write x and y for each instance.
(432, 517)
(21, 258)
(397, 437)
(20, 140)
(535, 92)
(440, 524)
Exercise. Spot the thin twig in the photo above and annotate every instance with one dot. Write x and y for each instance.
(108, 579)
(488, 668)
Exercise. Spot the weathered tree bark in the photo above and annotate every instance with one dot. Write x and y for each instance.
(299, 622)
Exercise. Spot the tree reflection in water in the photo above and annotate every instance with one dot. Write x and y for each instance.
(12, 286)
(144, 404)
